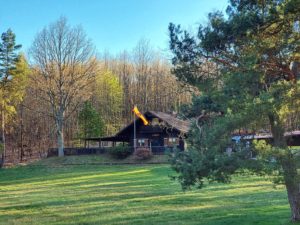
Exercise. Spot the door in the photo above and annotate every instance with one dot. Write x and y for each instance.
(157, 145)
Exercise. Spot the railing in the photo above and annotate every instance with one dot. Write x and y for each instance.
(77, 151)
(156, 150)
(160, 150)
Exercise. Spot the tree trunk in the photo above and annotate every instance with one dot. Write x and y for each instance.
(289, 166)
(292, 183)
(60, 136)
(3, 135)
(3, 127)
(22, 127)
(294, 200)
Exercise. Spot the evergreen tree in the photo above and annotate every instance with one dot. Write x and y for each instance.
(246, 66)
(8, 61)
(90, 121)
(8, 55)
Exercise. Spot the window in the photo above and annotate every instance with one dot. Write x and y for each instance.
(155, 121)
(172, 141)
(142, 142)
(105, 144)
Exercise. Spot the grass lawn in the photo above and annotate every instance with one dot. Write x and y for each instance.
(48, 192)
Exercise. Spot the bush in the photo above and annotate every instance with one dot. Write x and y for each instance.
(120, 152)
(143, 153)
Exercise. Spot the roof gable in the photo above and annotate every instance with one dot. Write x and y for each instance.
(173, 122)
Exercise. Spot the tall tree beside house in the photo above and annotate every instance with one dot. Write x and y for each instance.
(124, 70)
(65, 67)
(13, 74)
(143, 57)
(250, 84)
(90, 122)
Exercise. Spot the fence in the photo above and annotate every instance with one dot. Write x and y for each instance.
(157, 150)
(77, 151)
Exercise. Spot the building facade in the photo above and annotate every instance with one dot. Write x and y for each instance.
(164, 132)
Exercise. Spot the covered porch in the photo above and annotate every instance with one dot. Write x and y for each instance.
(106, 142)
(156, 148)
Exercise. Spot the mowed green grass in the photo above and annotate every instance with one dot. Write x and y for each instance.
(53, 193)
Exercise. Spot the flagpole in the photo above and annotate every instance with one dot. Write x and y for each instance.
(134, 133)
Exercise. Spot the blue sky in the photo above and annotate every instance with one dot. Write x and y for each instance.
(113, 25)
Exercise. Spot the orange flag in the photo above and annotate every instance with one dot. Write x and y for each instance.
(140, 115)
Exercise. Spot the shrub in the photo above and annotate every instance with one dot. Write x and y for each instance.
(143, 153)
(120, 152)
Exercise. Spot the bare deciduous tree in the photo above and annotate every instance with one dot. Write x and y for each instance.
(64, 68)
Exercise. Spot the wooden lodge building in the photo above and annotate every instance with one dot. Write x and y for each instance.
(164, 132)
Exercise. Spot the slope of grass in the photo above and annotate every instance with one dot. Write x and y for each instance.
(53, 193)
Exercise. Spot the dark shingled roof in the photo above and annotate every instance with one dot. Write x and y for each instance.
(181, 125)
(170, 120)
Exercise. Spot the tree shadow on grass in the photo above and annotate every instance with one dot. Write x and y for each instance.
(134, 195)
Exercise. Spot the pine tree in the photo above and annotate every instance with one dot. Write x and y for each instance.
(90, 121)
(245, 66)
(8, 60)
